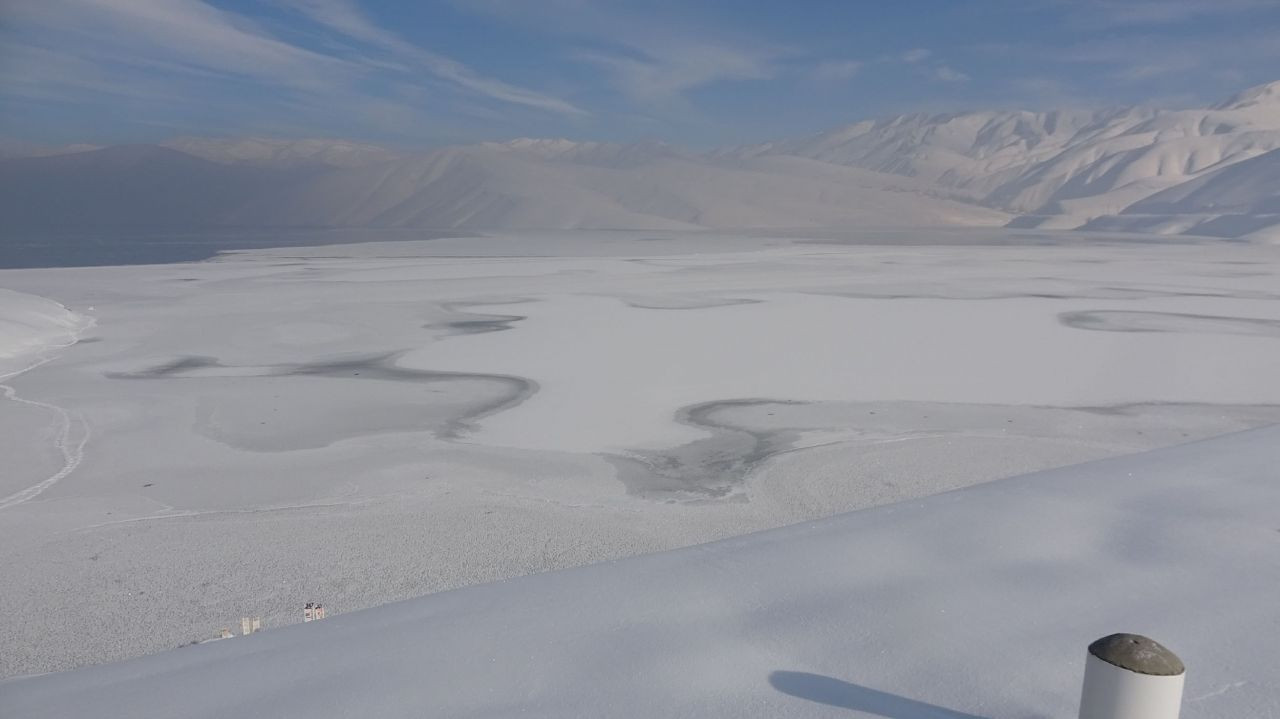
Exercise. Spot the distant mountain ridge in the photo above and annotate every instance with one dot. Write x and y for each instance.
(282, 154)
(1208, 171)
(1063, 168)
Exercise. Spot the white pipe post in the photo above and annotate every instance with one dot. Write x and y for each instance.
(1128, 676)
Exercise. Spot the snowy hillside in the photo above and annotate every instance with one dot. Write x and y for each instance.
(1242, 199)
(975, 603)
(29, 324)
(1064, 168)
(1166, 171)
(967, 153)
(522, 184)
(565, 185)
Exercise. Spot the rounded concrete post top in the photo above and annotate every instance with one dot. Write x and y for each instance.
(1137, 654)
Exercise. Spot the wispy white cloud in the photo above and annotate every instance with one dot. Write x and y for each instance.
(946, 73)
(601, 68)
(665, 79)
(1144, 57)
(345, 17)
(1150, 52)
(837, 70)
(187, 33)
(654, 61)
(919, 54)
(914, 60)
(1146, 13)
(193, 61)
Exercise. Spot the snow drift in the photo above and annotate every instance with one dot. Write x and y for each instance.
(29, 324)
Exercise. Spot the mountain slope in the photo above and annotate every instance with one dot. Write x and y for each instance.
(1239, 200)
(1246, 187)
(1165, 171)
(966, 153)
(522, 185)
(1072, 165)
(515, 186)
(126, 185)
(978, 602)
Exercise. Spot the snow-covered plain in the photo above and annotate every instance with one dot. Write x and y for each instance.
(976, 603)
(364, 423)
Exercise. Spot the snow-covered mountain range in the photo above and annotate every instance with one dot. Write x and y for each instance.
(1209, 171)
(1131, 168)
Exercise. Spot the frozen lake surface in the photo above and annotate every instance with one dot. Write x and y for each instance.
(70, 248)
(356, 424)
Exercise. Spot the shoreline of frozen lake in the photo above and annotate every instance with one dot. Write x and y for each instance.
(358, 424)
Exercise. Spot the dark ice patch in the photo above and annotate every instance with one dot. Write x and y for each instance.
(713, 468)
(1146, 321)
(476, 323)
(675, 302)
(451, 425)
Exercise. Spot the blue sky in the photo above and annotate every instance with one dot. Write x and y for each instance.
(697, 73)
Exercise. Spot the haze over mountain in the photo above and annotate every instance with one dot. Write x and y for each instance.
(1208, 171)
(277, 153)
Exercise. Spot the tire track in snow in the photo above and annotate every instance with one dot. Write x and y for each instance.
(72, 452)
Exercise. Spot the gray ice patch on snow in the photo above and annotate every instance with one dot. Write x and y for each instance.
(706, 469)
(1138, 321)
(682, 302)
(475, 323)
(747, 433)
(284, 407)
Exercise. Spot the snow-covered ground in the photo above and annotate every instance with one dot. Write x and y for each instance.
(976, 603)
(365, 423)
(30, 326)
(32, 331)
